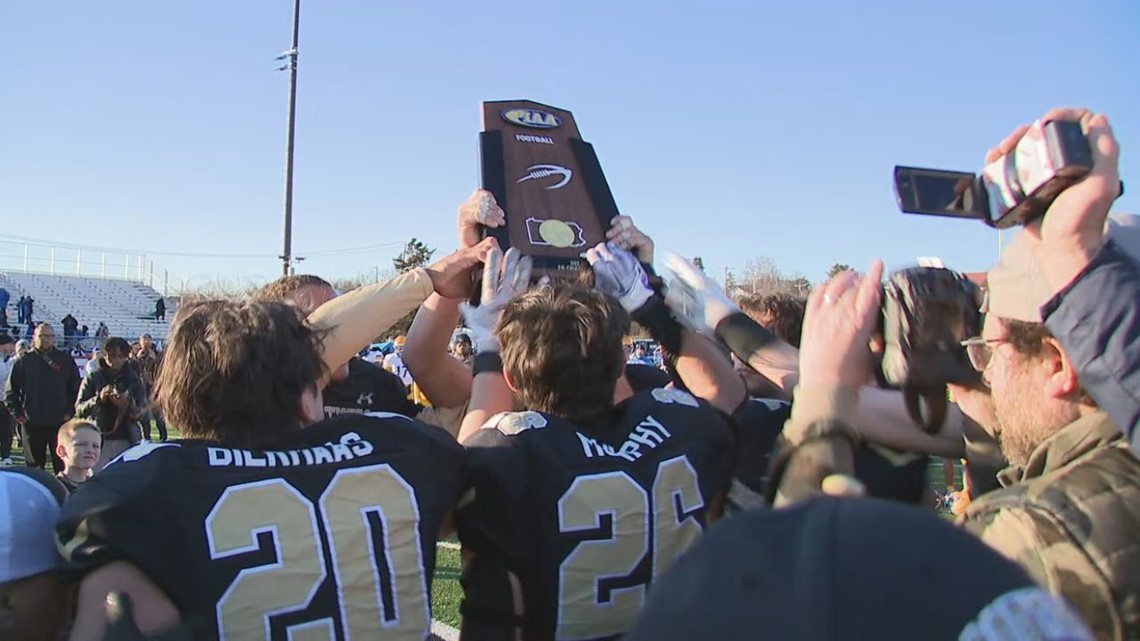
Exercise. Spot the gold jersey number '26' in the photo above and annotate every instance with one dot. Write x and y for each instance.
(584, 612)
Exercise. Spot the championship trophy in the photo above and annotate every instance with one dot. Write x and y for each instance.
(548, 182)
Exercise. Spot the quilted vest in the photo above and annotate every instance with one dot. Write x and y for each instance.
(1086, 479)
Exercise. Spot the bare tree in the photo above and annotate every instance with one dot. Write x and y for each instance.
(203, 287)
(838, 268)
(762, 276)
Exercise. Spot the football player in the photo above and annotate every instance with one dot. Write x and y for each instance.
(447, 380)
(579, 504)
(358, 386)
(254, 527)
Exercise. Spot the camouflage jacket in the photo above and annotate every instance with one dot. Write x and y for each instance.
(1071, 518)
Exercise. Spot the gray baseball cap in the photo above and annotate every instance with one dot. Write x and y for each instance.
(1017, 286)
(29, 506)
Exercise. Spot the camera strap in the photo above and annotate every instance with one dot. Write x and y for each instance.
(936, 406)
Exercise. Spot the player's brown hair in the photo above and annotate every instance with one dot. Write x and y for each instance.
(66, 433)
(234, 372)
(562, 350)
(287, 288)
(781, 314)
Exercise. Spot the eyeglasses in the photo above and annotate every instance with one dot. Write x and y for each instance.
(981, 351)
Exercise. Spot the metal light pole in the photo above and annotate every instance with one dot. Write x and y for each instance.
(293, 265)
(290, 58)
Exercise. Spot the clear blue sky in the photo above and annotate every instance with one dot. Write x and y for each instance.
(729, 130)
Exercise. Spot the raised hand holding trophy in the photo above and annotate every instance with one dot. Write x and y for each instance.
(549, 183)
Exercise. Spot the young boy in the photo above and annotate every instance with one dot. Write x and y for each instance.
(79, 445)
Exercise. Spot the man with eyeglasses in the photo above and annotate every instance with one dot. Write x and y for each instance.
(1069, 507)
(40, 392)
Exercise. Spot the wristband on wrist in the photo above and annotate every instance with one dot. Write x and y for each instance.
(827, 428)
(486, 362)
(655, 317)
(656, 283)
(838, 445)
(743, 335)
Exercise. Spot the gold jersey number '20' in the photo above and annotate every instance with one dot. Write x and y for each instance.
(344, 514)
(664, 527)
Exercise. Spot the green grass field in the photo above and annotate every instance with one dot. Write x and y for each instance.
(445, 590)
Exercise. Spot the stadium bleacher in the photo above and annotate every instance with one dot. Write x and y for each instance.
(127, 307)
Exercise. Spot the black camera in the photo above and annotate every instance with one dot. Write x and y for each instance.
(927, 312)
(1012, 190)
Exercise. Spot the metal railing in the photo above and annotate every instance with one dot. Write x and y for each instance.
(71, 260)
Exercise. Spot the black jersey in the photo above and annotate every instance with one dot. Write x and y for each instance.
(368, 388)
(891, 474)
(644, 378)
(585, 517)
(886, 473)
(333, 536)
(759, 422)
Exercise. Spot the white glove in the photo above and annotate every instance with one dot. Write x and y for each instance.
(695, 299)
(504, 277)
(619, 274)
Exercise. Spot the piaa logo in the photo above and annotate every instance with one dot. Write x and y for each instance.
(532, 118)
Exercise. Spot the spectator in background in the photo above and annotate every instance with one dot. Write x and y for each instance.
(40, 392)
(5, 298)
(462, 349)
(395, 363)
(22, 347)
(147, 361)
(160, 309)
(92, 363)
(22, 310)
(70, 326)
(639, 356)
(29, 310)
(82, 334)
(7, 423)
(114, 398)
(102, 333)
(79, 445)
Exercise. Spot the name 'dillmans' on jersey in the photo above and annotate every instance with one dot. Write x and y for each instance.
(351, 446)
